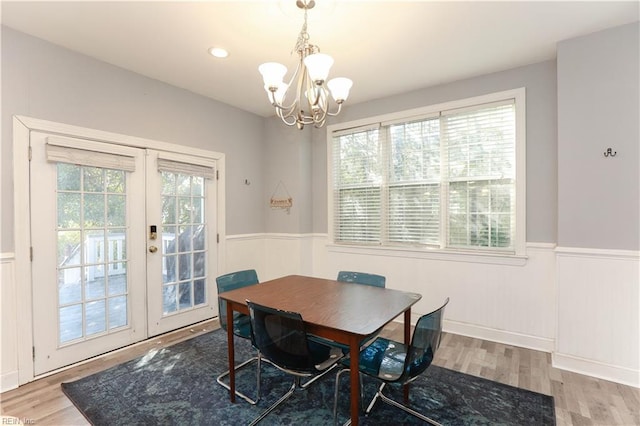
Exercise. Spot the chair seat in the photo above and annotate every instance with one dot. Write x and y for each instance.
(384, 359)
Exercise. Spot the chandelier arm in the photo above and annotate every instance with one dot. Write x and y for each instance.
(337, 111)
(285, 117)
(280, 109)
(294, 104)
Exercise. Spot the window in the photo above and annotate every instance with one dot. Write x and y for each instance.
(446, 178)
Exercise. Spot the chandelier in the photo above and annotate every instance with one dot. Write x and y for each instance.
(311, 102)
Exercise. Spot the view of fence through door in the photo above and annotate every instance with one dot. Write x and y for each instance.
(101, 279)
(182, 216)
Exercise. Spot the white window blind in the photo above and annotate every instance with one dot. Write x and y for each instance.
(58, 151)
(192, 167)
(358, 168)
(446, 180)
(414, 182)
(480, 175)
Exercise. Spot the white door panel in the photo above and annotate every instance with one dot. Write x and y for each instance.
(86, 258)
(181, 260)
(101, 280)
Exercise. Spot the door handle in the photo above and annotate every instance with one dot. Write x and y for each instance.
(153, 249)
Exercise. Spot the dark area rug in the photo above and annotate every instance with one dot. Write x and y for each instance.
(176, 386)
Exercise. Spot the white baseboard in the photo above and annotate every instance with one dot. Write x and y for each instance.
(9, 381)
(500, 336)
(597, 369)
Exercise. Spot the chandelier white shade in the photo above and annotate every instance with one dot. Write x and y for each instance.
(308, 100)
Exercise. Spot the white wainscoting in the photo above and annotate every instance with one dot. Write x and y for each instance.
(9, 342)
(504, 300)
(598, 330)
(512, 303)
(581, 305)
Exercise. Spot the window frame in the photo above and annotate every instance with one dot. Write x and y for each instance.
(490, 255)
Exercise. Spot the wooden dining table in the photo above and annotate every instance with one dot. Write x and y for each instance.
(343, 312)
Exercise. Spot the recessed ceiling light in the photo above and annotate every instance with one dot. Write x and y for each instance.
(218, 52)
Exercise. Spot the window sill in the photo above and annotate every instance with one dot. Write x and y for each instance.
(432, 254)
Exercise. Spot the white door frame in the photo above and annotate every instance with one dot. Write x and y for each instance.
(22, 127)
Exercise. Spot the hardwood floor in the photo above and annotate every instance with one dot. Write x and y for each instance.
(579, 399)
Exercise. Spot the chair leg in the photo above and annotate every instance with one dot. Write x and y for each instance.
(319, 376)
(282, 399)
(386, 399)
(258, 359)
(335, 393)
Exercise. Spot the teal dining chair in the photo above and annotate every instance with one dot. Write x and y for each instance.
(361, 278)
(240, 323)
(394, 363)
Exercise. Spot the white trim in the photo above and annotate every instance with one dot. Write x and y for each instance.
(281, 236)
(600, 253)
(537, 343)
(245, 236)
(22, 243)
(420, 111)
(9, 381)
(433, 254)
(7, 256)
(35, 124)
(601, 370)
(541, 246)
(275, 236)
(521, 169)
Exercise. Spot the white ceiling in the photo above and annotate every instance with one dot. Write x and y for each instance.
(385, 47)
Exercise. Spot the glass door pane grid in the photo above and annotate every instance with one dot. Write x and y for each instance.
(92, 259)
(183, 242)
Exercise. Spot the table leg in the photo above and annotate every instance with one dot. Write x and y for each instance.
(407, 341)
(354, 373)
(231, 353)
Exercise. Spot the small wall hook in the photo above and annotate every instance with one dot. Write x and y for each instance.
(608, 153)
(247, 182)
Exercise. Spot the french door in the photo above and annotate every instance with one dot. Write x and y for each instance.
(123, 242)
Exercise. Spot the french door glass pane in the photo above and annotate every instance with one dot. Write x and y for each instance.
(183, 246)
(92, 258)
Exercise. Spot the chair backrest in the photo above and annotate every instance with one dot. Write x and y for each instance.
(229, 282)
(361, 278)
(280, 336)
(424, 344)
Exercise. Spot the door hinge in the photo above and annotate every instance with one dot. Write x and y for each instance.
(218, 238)
(30, 153)
(33, 352)
(217, 174)
(31, 253)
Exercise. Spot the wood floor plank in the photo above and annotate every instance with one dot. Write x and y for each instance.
(579, 400)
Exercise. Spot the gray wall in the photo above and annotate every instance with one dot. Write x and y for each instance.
(596, 85)
(287, 159)
(45, 81)
(540, 83)
(598, 108)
